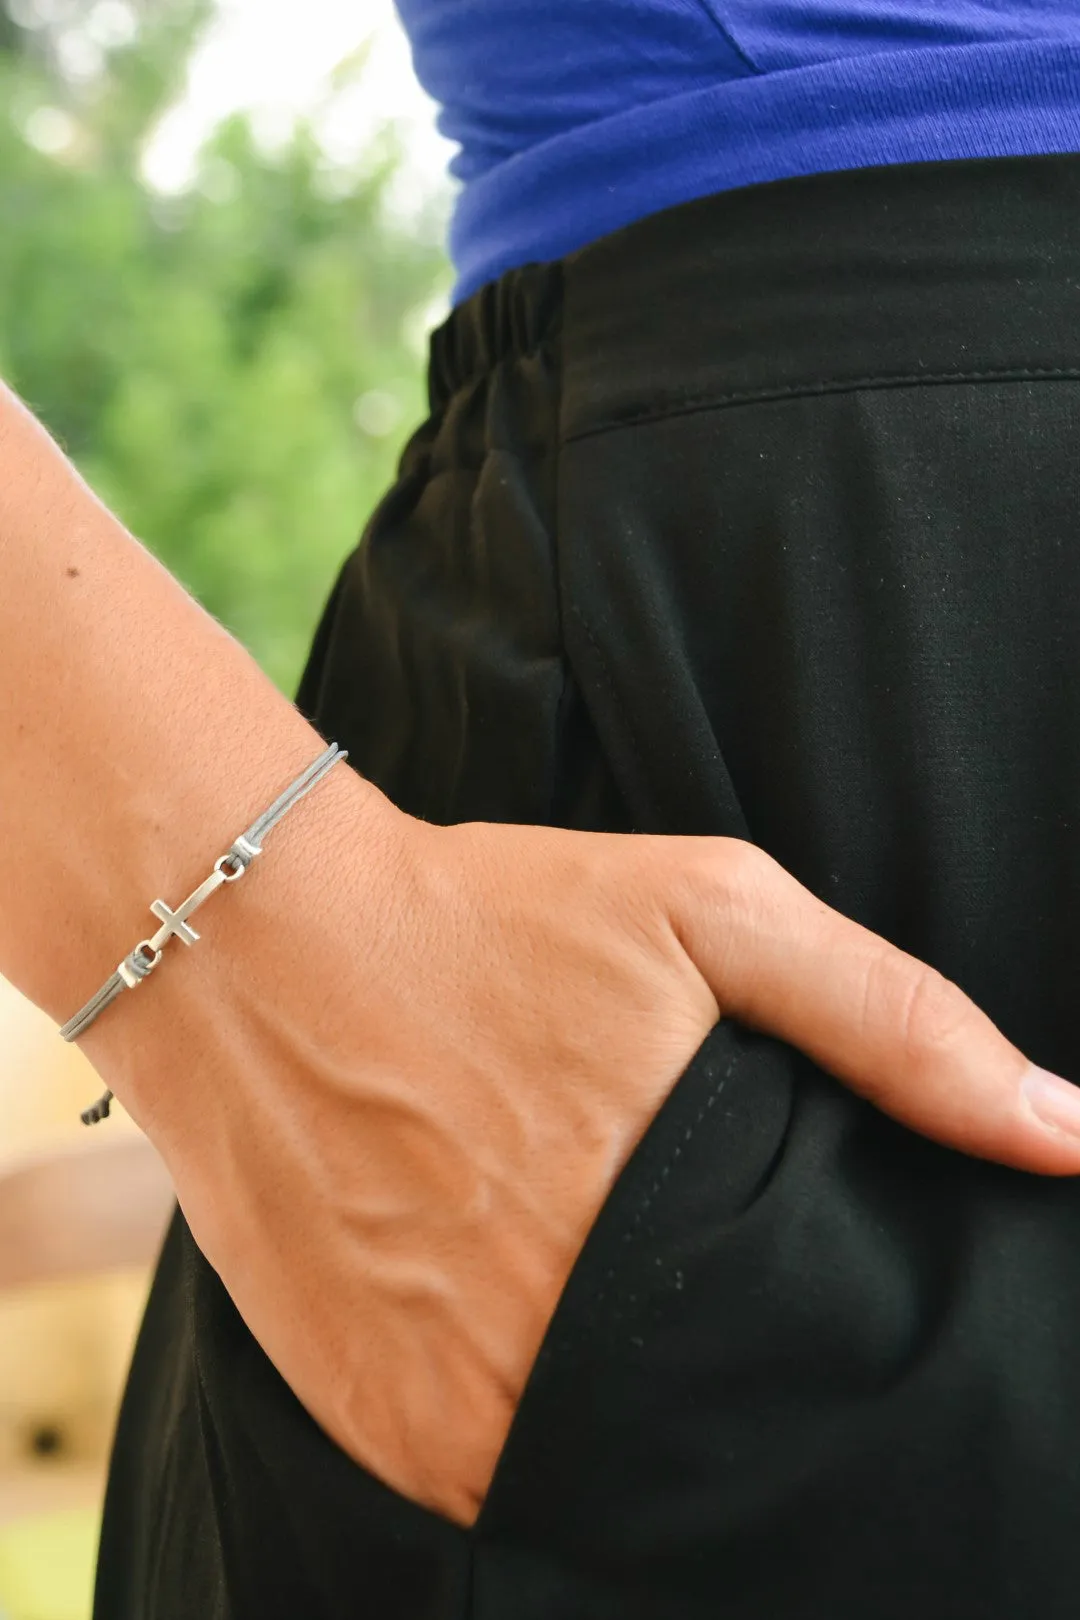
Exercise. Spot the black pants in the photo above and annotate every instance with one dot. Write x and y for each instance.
(758, 518)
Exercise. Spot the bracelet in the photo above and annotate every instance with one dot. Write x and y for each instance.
(141, 962)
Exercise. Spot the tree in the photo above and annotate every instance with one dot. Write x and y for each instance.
(231, 369)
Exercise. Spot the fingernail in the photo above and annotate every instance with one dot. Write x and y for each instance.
(1055, 1101)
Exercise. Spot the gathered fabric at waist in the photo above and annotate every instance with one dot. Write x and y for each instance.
(826, 281)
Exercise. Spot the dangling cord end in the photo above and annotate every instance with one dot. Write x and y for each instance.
(98, 1111)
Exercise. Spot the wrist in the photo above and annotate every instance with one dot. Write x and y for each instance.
(208, 1008)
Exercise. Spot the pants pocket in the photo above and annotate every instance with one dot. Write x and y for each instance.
(808, 1364)
(703, 1166)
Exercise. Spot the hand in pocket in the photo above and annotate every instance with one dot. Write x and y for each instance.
(392, 1122)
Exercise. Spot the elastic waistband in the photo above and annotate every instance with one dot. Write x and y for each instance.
(915, 272)
(507, 319)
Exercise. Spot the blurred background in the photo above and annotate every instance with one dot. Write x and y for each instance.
(221, 228)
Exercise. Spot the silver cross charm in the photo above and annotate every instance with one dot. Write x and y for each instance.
(228, 868)
(243, 851)
(174, 924)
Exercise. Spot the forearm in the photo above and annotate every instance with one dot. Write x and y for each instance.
(137, 738)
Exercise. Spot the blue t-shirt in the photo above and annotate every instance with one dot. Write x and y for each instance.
(574, 117)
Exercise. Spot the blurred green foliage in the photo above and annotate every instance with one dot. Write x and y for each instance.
(232, 369)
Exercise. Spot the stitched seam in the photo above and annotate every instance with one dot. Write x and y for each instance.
(631, 1232)
(624, 713)
(650, 1197)
(555, 472)
(708, 402)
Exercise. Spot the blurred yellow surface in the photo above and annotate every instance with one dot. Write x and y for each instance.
(64, 1348)
(47, 1566)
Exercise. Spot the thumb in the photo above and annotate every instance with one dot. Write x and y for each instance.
(890, 1026)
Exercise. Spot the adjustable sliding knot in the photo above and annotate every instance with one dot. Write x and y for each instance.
(97, 1111)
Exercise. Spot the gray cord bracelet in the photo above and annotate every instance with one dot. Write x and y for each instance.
(141, 962)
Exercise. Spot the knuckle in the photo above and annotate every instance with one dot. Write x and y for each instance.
(934, 1014)
(748, 893)
(739, 870)
(699, 868)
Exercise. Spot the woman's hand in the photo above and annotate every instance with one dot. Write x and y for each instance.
(417, 1089)
(397, 1080)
